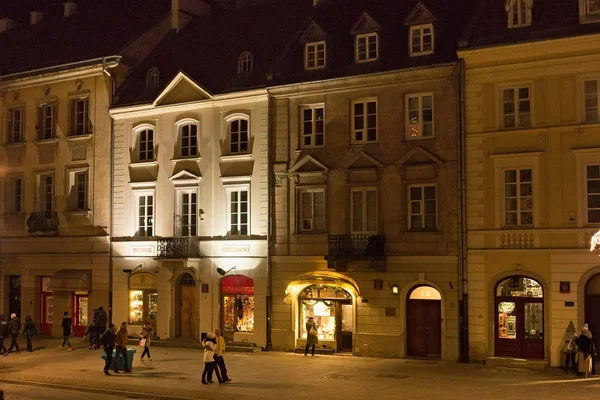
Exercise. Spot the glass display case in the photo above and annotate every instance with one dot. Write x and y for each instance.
(136, 307)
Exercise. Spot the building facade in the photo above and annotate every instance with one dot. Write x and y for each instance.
(532, 139)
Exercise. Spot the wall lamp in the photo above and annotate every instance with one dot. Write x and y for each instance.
(222, 272)
(130, 271)
(201, 213)
(395, 290)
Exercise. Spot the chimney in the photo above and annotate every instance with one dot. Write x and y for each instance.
(70, 8)
(6, 24)
(35, 17)
(182, 11)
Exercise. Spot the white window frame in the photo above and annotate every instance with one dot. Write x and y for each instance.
(73, 115)
(315, 49)
(229, 189)
(42, 191)
(13, 136)
(245, 63)
(516, 102)
(365, 128)
(518, 197)
(228, 138)
(584, 101)
(137, 140)
(583, 158)
(587, 194)
(364, 191)
(180, 125)
(421, 202)
(47, 122)
(409, 126)
(421, 30)
(313, 134)
(152, 78)
(72, 194)
(12, 195)
(522, 10)
(365, 37)
(300, 217)
(178, 228)
(137, 194)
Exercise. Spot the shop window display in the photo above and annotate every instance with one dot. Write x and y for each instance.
(136, 307)
(320, 302)
(238, 313)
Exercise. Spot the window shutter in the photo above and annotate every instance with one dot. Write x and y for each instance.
(10, 195)
(40, 120)
(54, 120)
(10, 129)
(72, 118)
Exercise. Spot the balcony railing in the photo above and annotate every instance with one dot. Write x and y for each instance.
(178, 247)
(45, 222)
(357, 247)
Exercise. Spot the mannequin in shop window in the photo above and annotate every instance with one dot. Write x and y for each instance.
(312, 336)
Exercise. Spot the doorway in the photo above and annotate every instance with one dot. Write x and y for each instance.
(592, 305)
(185, 311)
(14, 295)
(80, 314)
(345, 316)
(424, 323)
(237, 303)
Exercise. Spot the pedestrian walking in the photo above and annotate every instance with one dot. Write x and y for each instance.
(3, 335)
(66, 327)
(14, 327)
(146, 335)
(91, 333)
(312, 336)
(210, 345)
(121, 342)
(585, 351)
(108, 344)
(101, 320)
(219, 351)
(29, 331)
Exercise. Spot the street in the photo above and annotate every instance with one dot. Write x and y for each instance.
(50, 373)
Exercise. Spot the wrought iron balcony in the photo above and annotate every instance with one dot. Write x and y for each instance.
(45, 222)
(178, 247)
(357, 247)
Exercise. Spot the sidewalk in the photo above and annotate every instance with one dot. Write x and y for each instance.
(272, 375)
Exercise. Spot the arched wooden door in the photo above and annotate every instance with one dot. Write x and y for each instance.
(424, 323)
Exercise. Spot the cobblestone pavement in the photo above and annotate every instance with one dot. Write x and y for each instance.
(175, 373)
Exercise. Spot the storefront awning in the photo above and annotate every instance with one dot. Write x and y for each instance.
(326, 277)
(71, 280)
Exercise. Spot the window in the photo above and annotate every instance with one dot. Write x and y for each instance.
(366, 47)
(46, 121)
(364, 210)
(145, 214)
(593, 194)
(364, 121)
(518, 197)
(45, 198)
(146, 145)
(519, 13)
(516, 107)
(238, 134)
(311, 210)
(245, 63)
(16, 117)
(79, 124)
(313, 134)
(590, 89)
(314, 55)
(419, 111)
(239, 216)
(152, 78)
(189, 140)
(15, 194)
(593, 6)
(421, 40)
(81, 190)
(187, 220)
(422, 207)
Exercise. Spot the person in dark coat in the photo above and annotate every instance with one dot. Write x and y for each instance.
(121, 342)
(101, 320)
(66, 326)
(108, 344)
(29, 331)
(3, 335)
(312, 335)
(14, 326)
(585, 350)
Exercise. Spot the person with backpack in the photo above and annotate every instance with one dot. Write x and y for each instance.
(14, 326)
(3, 335)
(66, 326)
(29, 331)
(107, 340)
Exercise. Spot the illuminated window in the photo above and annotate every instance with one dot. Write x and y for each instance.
(419, 116)
(321, 303)
(518, 197)
(421, 40)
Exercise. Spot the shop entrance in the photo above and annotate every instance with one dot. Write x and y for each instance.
(47, 307)
(424, 323)
(592, 308)
(185, 311)
(143, 300)
(80, 314)
(519, 325)
(237, 294)
(14, 295)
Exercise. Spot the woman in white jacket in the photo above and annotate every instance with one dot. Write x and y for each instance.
(210, 365)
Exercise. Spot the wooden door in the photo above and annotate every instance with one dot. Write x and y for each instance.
(343, 333)
(187, 306)
(80, 314)
(424, 328)
(519, 327)
(592, 317)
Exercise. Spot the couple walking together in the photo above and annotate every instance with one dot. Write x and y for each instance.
(214, 348)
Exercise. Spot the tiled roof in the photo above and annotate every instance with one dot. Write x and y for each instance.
(551, 19)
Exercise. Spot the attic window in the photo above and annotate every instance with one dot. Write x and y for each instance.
(421, 40)
(519, 13)
(314, 55)
(245, 62)
(152, 78)
(366, 47)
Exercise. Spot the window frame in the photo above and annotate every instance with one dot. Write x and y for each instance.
(73, 123)
(299, 209)
(42, 119)
(353, 130)
(517, 116)
(584, 107)
(180, 125)
(229, 189)
(588, 10)
(518, 197)
(422, 186)
(364, 190)
(178, 228)
(313, 135)
(366, 37)
(229, 120)
(245, 64)
(42, 193)
(12, 194)
(11, 126)
(516, 8)
(408, 125)
(315, 49)
(421, 30)
(72, 189)
(137, 131)
(137, 194)
(153, 78)
(587, 194)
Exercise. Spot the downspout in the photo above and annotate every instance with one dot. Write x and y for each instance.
(270, 198)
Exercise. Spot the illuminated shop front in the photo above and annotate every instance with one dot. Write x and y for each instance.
(237, 293)
(519, 326)
(143, 299)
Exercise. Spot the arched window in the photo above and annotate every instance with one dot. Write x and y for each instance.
(188, 137)
(245, 61)
(152, 78)
(238, 135)
(331, 309)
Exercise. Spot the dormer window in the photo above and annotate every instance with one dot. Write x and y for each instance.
(421, 40)
(314, 55)
(519, 13)
(367, 47)
(245, 62)
(152, 78)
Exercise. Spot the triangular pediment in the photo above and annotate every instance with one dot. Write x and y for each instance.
(313, 33)
(365, 24)
(185, 177)
(362, 160)
(419, 15)
(308, 164)
(417, 156)
(181, 89)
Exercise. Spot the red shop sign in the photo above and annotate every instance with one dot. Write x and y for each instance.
(237, 284)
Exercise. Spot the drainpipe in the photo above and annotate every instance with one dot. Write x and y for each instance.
(270, 198)
(462, 271)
